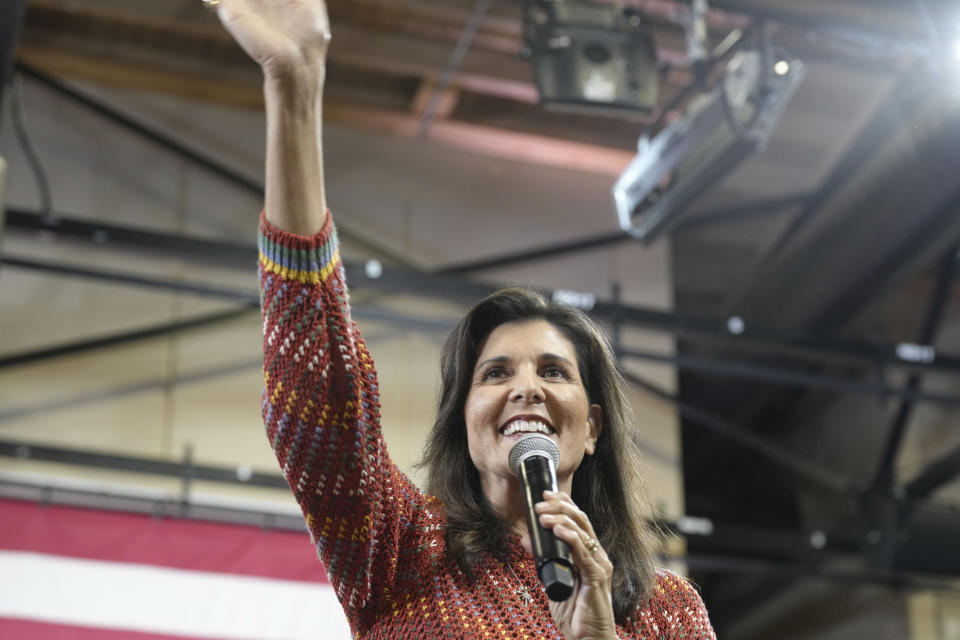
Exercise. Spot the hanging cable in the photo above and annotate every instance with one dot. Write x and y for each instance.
(464, 42)
(23, 137)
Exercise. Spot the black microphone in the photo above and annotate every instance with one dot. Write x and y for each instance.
(534, 459)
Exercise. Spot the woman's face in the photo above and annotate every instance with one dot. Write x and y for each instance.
(527, 379)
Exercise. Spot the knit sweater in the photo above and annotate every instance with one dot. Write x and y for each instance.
(382, 540)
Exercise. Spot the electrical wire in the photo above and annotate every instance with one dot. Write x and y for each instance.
(23, 137)
(464, 42)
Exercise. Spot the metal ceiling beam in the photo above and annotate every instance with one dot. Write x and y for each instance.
(883, 480)
(746, 210)
(762, 207)
(359, 312)
(128, 337)
(165, 141)
(451, 288)
(767, 338)
(898, 580)
(904, 98)
(535, 253)
(106, 235)
(152, 466)
(117, 277)
(731, 368)
(807, 286)
(937, 474)
(142, 129)
(766, 448)
(160, 506)
(821, 22)
(164, 383)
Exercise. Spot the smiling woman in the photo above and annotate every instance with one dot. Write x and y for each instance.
(527, 381)
(452, 562)
(519, 357)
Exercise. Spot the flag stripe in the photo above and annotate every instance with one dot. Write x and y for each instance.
(32, 630)
(165, 542)
(178, 602)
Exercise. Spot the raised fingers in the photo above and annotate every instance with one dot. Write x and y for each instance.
(280, 35)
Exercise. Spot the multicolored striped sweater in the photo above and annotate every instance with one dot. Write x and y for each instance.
(380, 538)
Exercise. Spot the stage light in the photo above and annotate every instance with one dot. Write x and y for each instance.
(373, 269)
(718, 131)
(818, 539)
(736, 325)
(591, 57)
(781, 68)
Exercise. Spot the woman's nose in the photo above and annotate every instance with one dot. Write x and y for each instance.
(527, 387)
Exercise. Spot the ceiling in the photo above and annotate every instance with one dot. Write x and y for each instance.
(834, 245)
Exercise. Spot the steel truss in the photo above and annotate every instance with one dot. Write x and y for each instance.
(397, 280)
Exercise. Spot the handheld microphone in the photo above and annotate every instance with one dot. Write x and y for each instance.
(534, 459)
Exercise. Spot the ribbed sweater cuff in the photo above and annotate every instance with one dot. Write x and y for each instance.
(303, 258)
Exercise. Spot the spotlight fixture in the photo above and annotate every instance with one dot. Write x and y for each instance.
(718, 131)
(591, 57)
(781, 68)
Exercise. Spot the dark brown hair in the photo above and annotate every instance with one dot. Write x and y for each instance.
(608, 485)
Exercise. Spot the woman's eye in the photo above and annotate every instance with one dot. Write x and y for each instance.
(555, 372)
(493, 373)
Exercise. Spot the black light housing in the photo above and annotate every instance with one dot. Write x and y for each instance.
(717, 132)
(591, 57)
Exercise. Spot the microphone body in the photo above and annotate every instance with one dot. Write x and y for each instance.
(534, 460)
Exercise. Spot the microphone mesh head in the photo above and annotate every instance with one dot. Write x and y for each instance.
(533, 444)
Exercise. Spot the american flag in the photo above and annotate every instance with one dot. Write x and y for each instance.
(77, 573)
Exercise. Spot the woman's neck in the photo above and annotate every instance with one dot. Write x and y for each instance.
(505, 496)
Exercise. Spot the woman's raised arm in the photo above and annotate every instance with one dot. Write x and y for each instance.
(289, 40)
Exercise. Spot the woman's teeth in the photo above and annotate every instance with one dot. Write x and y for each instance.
(527, 426)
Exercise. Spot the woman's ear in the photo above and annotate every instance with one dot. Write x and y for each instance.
(595, 423)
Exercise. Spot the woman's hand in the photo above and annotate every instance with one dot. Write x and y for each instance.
(289, 40)
(285, 37)
(588, 612)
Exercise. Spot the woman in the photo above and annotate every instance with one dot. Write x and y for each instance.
(454, 562)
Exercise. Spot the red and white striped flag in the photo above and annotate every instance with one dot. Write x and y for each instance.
(81, 574)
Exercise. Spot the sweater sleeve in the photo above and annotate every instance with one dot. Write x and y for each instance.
(322, 415)
(675, 611)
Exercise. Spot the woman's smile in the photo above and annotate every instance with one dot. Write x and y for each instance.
(527, 380)
(523, 424)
